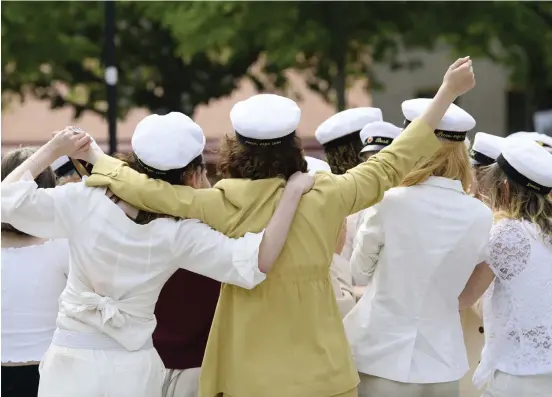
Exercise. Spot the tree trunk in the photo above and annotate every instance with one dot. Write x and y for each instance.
(340, 83)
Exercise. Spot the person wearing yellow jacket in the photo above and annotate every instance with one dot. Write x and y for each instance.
(285, 337)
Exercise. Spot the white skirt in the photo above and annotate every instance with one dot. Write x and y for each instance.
(69, 372)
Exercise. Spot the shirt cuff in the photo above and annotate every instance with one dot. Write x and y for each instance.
(245, 258)
(27, 177)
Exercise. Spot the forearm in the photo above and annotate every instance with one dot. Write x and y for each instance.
(278, 228)
(476, 286)
(36, 164)
(438, 107)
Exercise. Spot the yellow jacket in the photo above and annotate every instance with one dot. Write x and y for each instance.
(285, 337)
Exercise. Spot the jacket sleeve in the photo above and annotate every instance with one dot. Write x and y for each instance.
(364, 185)
(154, 195)
(44, 213)
(202, 250)
(368, 243)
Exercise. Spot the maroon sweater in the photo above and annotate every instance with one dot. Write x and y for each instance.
(184, 312)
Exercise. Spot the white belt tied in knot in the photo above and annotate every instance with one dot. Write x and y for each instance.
(105, 305)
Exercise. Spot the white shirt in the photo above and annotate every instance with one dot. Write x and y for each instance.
(353, 223)
(342, 282)
(421, 244)
(118, 267)
(517, 309)
(33, 278)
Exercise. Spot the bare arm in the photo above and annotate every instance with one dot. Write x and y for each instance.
(277, 230)
(65, 142)
(476, 286)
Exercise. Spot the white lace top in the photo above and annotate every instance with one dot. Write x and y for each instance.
(518, 306)
(33, 278)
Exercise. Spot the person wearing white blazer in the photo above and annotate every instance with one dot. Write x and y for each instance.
(419, 246)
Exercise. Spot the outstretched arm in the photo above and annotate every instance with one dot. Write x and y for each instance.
(364, 185)
(243, 261)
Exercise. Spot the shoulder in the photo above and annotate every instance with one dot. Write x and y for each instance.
(79, 190)
(480, 210)
(508, 229)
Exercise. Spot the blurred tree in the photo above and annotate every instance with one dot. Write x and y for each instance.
(515, 34)
(53, 51)
(332, 43)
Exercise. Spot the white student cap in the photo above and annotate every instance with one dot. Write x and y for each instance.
(528, 164)
(486, 148)
(315, 165)
(377, 135)
(168, 142)
(453, 126)
(62, 166)
(344, 127)
(265, 120)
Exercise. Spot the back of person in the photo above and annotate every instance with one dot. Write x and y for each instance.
(33, 278)
(518, 323)
(434, 236)
(420, 246)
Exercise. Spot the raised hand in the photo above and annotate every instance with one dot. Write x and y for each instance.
(70, 141)
(459, 77)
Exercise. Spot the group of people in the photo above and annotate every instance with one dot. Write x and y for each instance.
(168, 287)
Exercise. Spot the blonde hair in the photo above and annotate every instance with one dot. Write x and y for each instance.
(450, 161)
(511, 200)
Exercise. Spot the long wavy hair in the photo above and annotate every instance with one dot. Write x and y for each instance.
(344, 157)
(238, 160)
(451, 161)
(509, 199)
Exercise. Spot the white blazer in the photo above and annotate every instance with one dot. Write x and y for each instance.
(420, 245)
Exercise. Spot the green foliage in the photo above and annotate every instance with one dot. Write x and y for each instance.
(53, 51)
(177, 55)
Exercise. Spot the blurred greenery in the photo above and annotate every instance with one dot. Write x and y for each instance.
(178, 55)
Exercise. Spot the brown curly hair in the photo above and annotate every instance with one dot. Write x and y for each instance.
(237, 160)
(145, 217)
(344, 157)
(12, 160)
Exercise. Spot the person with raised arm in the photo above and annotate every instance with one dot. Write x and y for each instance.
(120, 257)
(285, 337)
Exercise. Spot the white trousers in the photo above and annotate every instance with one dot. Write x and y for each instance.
(181, 382)
(505, 385)
(372, 386)
(68, 372)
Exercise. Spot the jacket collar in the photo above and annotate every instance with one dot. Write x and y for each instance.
(444, 183)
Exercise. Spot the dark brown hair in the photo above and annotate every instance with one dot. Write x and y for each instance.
(145, 217)
(344, 157)
(12, 160)
(237, 160)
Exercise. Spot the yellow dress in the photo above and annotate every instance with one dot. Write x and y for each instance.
(285, 337)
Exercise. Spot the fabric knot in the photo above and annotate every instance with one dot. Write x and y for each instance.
(107, 307)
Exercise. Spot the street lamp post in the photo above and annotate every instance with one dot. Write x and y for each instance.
(111, 74)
